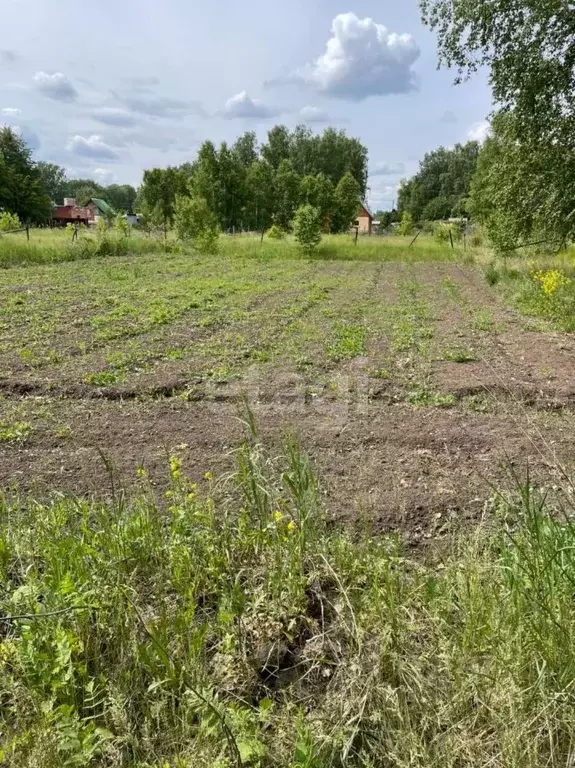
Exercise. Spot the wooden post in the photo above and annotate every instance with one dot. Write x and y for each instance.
(415, 238)
(451, 237)
(28, 232)
(356, 235)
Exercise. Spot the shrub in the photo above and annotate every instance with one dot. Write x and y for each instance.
(121, 226)
(476, 239)
(406, 224)
(443, 230)
(196, 222)
(492, 274)
(9, 221)
(275, 232)
(307, 228)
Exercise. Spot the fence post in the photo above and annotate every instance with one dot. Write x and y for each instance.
(356, 234)
(28, 231)
(451, 237)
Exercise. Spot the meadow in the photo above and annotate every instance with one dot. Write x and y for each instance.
(261, 510)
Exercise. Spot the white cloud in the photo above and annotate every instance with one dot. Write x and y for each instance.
(362, 59)
(161, 106)
(104, 176)
(388, 169)
(93, 147)
(113, 116)
(10, 111)
(55, 86)
(243, 106)
(479, 131)
(314, 115)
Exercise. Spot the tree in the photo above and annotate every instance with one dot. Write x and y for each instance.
(528, 47)
(441, 186)
(22, 189)
(307, 228)
(121, 197)
(406, 224)
(347, 199)
(245, 149)
(158, 194)
(195, 221)
(286, 187)
(260, 196)
(54, 179)
(278, 146)
(325, 194)
(205, 182)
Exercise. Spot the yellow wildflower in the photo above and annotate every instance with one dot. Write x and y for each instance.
(208, 476)
(175, 467)
(278, 517)
(292, 526)
(141, 472)
(550, 280)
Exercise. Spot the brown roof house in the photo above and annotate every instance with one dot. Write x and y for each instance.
(364, 221)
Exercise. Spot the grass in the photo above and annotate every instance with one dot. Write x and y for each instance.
(229, 626)
(54, 246)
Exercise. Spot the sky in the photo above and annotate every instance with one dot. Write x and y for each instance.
(111, 88)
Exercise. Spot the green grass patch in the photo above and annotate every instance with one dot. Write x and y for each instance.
(349, 343)
(231, 626)
(14, 432)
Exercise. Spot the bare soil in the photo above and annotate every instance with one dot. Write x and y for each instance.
(386, 462)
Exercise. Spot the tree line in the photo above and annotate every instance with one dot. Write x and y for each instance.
(28, 189)
(524, 188)
(246, 186)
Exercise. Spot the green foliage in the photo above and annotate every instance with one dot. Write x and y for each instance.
(492, 274)
(9, 221)
(441, 186)
(405, 226)
(307, 228)
(347, 199)
(275, 233)
(195, 221)
(158, 194)
(445, 233)
(237, 629)
(22, 190)
(54, 180)
(121, 226)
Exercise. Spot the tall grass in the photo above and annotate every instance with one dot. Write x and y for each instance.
(343, 248)
(54, 246)
(227, 625)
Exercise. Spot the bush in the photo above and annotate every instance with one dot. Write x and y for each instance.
(443, 230)
(492, 274)
(476, 239)
(275, 233)
(9, 221)
(196, 222)
(307, 228)
(405, 227)
(121, 226)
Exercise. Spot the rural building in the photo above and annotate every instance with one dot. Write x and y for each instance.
(70, 213)
(364, 221)
(99, 209)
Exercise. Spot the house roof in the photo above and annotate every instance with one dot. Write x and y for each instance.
(103, 207)
(366, 209)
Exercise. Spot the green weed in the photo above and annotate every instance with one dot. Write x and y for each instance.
(14, 432)
(349, 343)
(237, 628)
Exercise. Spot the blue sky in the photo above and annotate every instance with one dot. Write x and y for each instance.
(111, 88)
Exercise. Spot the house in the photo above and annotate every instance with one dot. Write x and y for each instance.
(70, 213)
(364, 221)
(99, 209)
